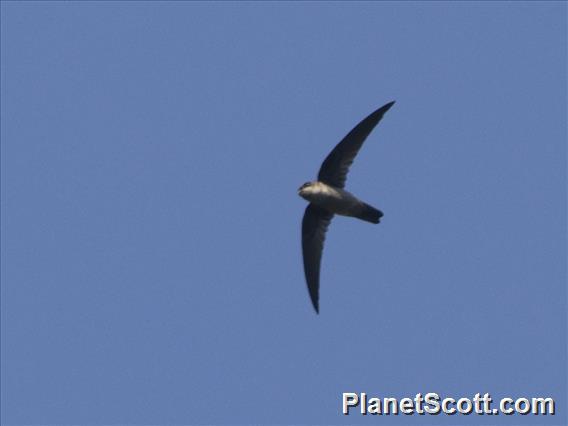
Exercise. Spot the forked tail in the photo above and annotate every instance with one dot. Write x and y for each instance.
(369, 214)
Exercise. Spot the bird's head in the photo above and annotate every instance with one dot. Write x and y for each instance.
(306, 189)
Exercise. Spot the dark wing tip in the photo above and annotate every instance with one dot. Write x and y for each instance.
(314, 295)
(386, 107)
(373, 118)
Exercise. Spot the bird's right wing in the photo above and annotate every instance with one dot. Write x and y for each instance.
(314, 226)
(335, 167)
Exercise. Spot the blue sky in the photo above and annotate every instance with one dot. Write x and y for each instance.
(151, 262)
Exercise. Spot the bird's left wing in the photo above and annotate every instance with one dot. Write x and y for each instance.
(314, 226)
(335, 167)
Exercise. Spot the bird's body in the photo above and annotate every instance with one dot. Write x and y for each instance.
(327, 198)
(338, 201)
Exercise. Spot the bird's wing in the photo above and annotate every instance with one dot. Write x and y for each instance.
(335, 167)
(314, 226)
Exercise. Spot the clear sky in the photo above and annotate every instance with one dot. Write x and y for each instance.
(151, 257)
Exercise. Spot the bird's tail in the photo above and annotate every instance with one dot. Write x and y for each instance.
(369, 214)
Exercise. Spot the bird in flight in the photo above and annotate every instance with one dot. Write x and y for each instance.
(327, 197)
